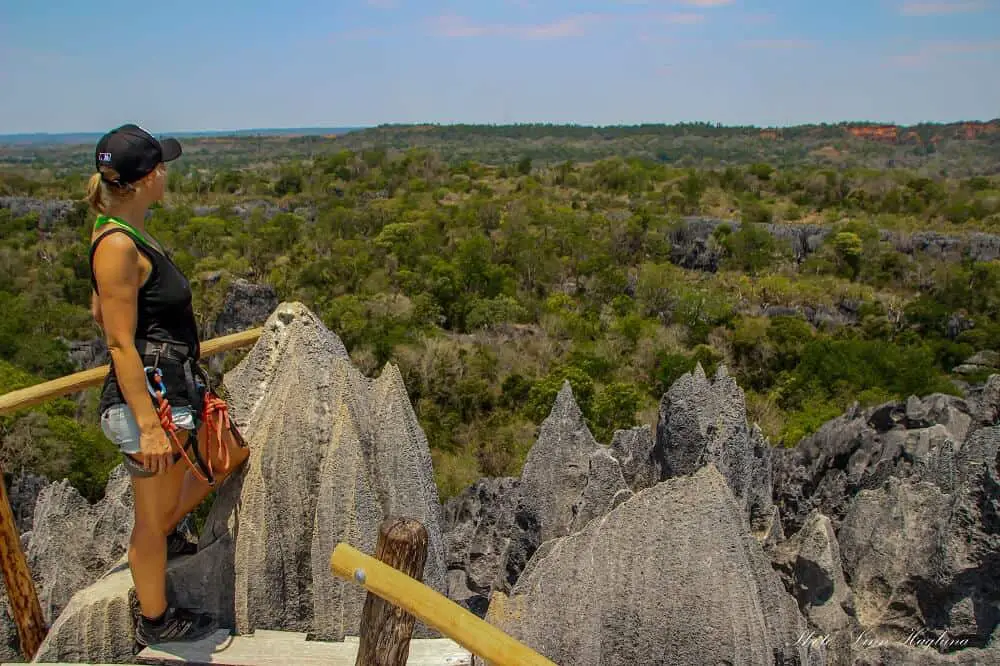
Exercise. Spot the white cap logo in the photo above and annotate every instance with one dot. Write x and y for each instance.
(104, 157)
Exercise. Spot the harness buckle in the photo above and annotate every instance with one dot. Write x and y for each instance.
(156, 387)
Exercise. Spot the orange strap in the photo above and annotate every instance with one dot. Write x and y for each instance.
(215, 415)
(167, 421)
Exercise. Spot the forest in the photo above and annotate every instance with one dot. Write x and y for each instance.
(491, 277)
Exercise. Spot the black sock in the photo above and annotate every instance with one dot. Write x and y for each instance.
(155, 622)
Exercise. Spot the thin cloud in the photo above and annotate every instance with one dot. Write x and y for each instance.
(942, 8)
(450, 25)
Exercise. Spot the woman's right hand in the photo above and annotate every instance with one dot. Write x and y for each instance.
(155, 449)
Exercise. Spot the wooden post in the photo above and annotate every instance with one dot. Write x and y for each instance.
(385, 628)
(433, 609)
(21, 593)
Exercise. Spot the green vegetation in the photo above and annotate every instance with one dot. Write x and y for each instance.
(489, 285)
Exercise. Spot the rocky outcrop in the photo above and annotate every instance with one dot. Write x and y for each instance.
(693, 245)
(478, 525)
(911, 490)
(984, 361)
(495, 526)
(73, 542)
(332, 454)
(86, 354)
(22, 492)
(246, 305)
(49, 211)
(555, 474)
(669, 576)
(924, 552)
(862, 448)
(569, 480)
(810, 565)
(68, 542)
(881, 529)
(703, 422)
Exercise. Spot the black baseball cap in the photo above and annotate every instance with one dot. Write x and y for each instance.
(133, 153)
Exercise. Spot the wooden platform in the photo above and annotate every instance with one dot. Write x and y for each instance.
(285, 648)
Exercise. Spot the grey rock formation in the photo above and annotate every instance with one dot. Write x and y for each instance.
(86, 354)
(670, 576)
(73, 542)
(862, 448)
(50, 211)
(555, 475)
(332, 454)
(702, 422)
(810, 565)
(569, 479)
(911, 489)
(23, 492)
(68, 542)
(602, 492)
(924, 552)
(478, 524)
(556, 469)
(692, 245)
(984, 361)
(635, 450)
(246, 305)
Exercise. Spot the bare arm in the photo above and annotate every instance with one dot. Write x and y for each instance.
(118, 274)
(95, 308)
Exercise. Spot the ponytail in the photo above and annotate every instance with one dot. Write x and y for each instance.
(101, 194)
(96, 193)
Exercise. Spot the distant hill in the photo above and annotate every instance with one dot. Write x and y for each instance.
(69, 138)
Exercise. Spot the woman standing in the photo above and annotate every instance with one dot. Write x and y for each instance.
(156, 404)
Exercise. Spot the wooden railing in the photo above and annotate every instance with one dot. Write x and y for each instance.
(39, 393)
(392, 577)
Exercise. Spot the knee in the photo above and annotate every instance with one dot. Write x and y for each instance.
(147, 528)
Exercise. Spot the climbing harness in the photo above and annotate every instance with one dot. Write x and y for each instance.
(209, 409)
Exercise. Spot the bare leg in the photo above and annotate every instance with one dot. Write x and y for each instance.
(147, 552)
(194, 490)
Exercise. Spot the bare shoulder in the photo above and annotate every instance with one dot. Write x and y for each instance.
(117, 260)
(116, 244)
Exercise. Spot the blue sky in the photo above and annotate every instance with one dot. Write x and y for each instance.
(214, 64)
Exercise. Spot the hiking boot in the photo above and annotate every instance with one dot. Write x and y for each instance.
(177, 624)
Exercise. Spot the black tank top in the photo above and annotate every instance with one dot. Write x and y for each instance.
(165, 313)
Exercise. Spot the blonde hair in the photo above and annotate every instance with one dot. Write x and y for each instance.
(103, 194)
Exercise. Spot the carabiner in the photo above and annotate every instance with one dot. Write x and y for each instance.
(157, 380)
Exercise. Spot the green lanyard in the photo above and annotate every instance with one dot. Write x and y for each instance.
(105, 219)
